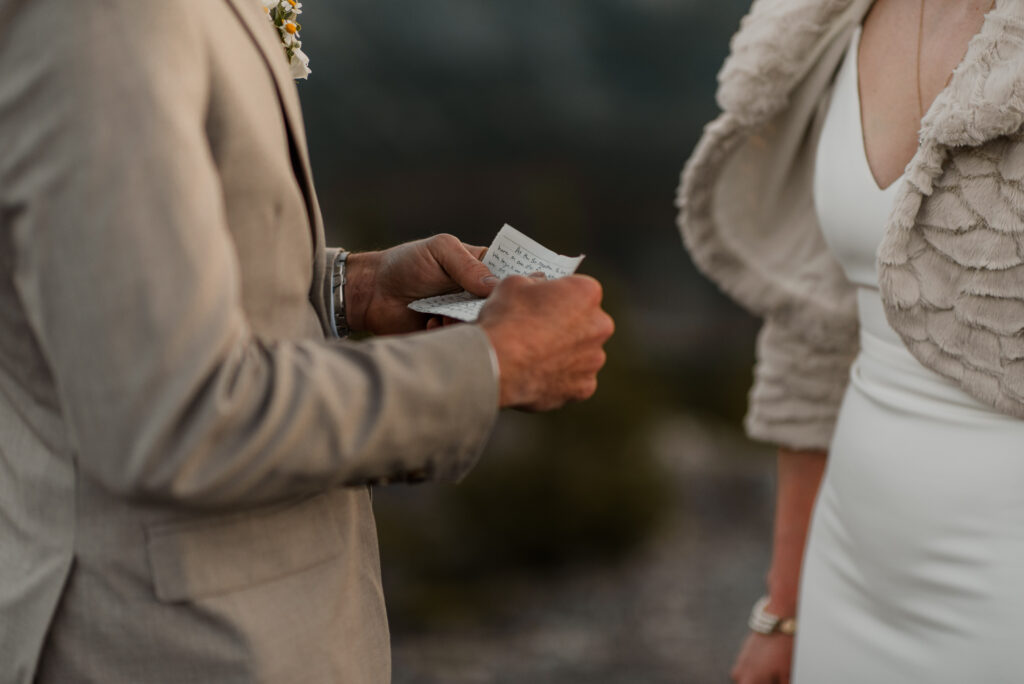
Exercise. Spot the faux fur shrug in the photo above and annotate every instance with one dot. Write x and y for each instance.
(951, 267)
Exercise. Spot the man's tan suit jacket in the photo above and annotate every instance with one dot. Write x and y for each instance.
(182, 448)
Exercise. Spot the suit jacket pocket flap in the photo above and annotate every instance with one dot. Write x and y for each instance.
(199, 558)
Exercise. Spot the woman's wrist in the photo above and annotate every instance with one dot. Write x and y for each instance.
(781, 606)
(799, 477)
(783, 590)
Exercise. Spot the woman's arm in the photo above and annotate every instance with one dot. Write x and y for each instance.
(767, 658)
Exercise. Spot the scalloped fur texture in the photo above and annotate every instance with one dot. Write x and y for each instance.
(761, 70)
(798, 388)
(951, 267)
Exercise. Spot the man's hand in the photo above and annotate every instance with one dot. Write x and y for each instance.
(764, 659)
(382, 284)
(548, 335)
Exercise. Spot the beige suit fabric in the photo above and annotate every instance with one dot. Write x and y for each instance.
(181, 448)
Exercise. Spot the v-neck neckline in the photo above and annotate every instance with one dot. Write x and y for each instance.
(854, 55)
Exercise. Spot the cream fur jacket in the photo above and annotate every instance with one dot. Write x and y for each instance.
(951, 267)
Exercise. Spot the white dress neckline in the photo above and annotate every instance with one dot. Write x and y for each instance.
(852, 209)
(853, 57)
(854, 213)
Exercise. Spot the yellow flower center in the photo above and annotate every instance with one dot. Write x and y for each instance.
(291, 28)
(292, 3)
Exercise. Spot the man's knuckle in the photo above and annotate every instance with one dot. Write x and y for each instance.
(513, 282)
(591, 361)
(569, 283)
(598, 329)
(445, 242)
(586, 288)
(587, 388)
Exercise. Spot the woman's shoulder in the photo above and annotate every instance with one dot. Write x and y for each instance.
(745, 196)
(985, 96)
(777, 43)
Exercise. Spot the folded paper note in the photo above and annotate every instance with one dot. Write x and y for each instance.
(511, 253)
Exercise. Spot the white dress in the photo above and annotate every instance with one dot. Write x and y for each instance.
(914, 569)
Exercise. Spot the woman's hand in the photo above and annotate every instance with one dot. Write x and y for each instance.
(764, 659)
(768, 658)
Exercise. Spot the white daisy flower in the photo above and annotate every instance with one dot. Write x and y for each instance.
(283, 14)
(290, 33)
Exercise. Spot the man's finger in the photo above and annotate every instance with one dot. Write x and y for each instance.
(476, 251)
(463, 267)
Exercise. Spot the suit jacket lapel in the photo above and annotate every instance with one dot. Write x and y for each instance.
(252, 17)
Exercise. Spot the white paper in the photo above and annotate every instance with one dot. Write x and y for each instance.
(511, 253)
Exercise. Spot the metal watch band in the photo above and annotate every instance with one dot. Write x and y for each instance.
(338, 279)
(764, 622)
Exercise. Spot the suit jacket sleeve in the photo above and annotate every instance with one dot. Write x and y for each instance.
(125, 267)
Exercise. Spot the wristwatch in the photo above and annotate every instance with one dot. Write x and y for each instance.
(338, 278)
(764, 622)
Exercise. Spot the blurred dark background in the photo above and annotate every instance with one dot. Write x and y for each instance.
(619, 540)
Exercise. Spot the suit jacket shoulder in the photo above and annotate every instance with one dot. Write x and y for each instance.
(190, 450)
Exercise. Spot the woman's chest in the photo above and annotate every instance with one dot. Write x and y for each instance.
(908, 51)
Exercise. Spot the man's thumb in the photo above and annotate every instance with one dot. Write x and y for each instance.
(467, 271)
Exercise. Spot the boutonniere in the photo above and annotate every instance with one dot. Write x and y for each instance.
(284, 15)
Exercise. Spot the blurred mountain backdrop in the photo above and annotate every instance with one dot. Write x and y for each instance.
(571, 120)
